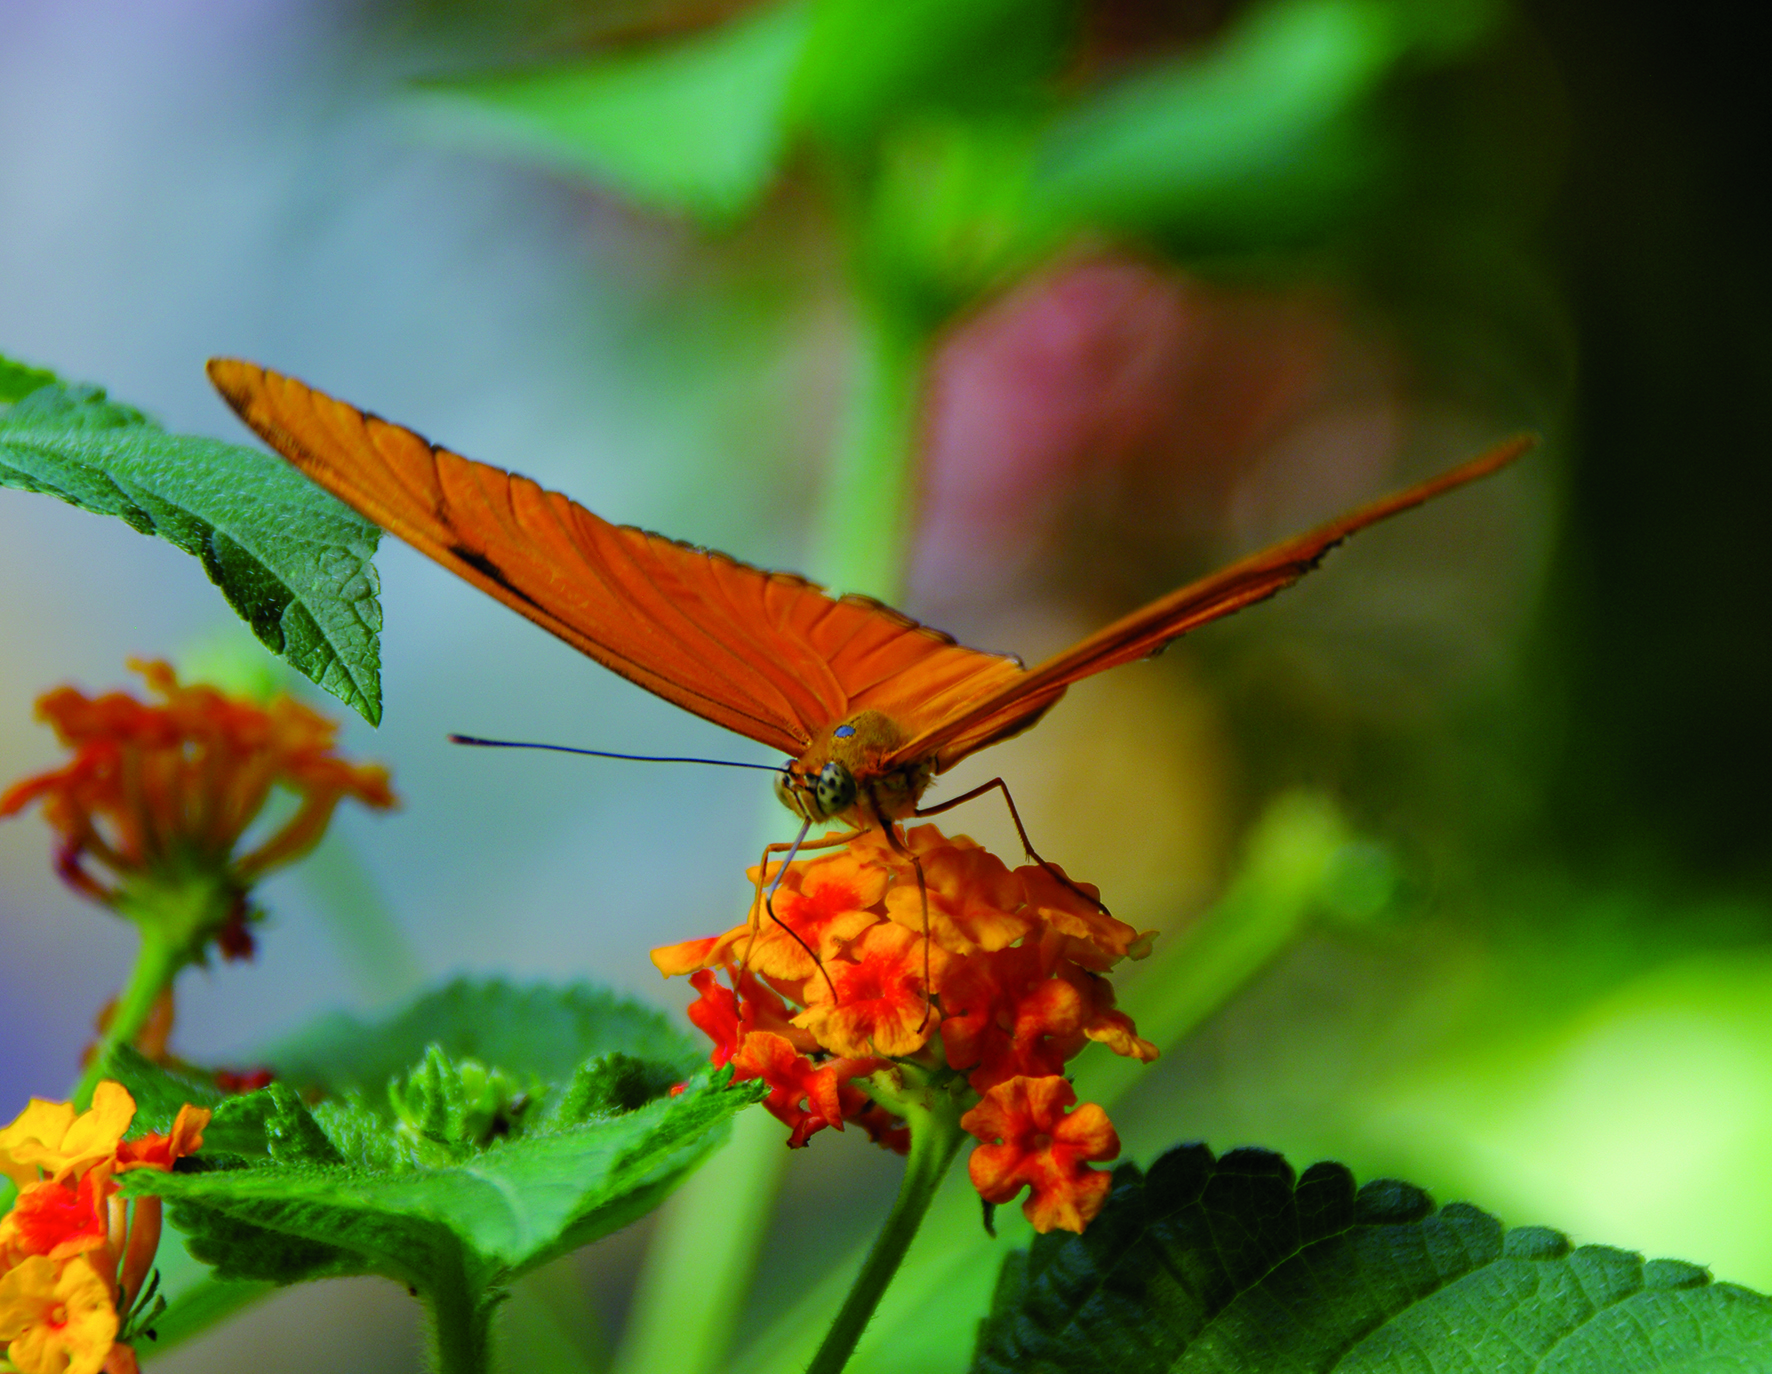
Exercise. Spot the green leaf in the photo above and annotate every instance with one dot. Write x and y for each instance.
(695, 125)
(18, 380)
(549, 1031)
(518, 1129)
(1232, 1265)
(159, 1091)
(292, 561)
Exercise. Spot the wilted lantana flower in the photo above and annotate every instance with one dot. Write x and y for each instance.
(74, 1255)
(154, 808)
(158, 796)
(989, 978)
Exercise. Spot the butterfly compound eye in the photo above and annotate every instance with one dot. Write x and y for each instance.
(835, 789)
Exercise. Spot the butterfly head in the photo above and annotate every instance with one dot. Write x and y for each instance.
(817, 797)
(849, 759)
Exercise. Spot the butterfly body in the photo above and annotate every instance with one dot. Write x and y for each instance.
(868, 704)
(852, 773)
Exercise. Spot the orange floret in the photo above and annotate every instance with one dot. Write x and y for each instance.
(52, 1138)
(875, 1002)
(876, 950)
(1030, 1141)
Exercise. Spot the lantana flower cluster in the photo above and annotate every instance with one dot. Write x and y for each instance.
(74, 1254)
(991, 974)
(160, 796)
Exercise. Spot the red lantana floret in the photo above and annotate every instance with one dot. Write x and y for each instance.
(989, 975)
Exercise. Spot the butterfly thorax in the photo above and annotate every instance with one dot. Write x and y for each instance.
(851, 768)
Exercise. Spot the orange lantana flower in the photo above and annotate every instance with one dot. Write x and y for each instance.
(934, 956)
(1031, 1141)
(74, 1254)
(164, 792)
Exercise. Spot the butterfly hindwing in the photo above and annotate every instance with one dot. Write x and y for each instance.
(1145, 631)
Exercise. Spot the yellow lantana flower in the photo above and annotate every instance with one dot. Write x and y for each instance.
(50, 1138)
(57, 1318)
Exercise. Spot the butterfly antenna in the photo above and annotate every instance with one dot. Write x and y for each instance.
(606, 754)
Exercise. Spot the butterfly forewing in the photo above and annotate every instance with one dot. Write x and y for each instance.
(767, 655)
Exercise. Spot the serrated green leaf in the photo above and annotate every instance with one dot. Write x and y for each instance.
(159, 1091)
(548, 1031)
(293, 561)
(413, 1183)
(696, 125)
(513, 1206)
(1230, 1264)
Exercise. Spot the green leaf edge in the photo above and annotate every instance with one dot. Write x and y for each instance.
(287, 622)
(1322, 1207)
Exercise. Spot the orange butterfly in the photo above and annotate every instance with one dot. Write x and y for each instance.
(869, 704)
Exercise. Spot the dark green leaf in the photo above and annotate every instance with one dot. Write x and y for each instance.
(292, 560)
(695, 126)
(1231, 1265)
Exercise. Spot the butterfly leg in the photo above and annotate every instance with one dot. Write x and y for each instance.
(767, 899)
(899, 847)
(1020, 829)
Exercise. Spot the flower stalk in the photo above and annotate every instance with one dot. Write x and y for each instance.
(932, 1111)
(461, 1323)
(157, 962)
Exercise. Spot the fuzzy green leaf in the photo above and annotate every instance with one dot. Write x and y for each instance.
(293, 561)
(695, 125)
(159, 1091)
(1231, 1264)
(517, 1129)
(19, 380)
(544, 1030)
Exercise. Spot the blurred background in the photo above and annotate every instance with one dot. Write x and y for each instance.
(1017, 314)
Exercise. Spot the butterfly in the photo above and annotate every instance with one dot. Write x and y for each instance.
(869, 704)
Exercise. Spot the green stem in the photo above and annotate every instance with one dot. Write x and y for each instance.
(157, 962)
(935, 1140)
(461, 1323)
